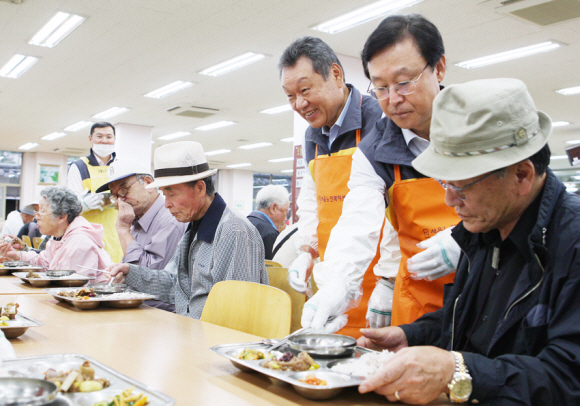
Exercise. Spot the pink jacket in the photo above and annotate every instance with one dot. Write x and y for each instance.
(81, 244)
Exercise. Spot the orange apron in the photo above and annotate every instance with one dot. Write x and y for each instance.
(417, 211)
(331, 174)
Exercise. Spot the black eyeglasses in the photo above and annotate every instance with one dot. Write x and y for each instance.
(122, 192)
(402, 88)
(459, 190)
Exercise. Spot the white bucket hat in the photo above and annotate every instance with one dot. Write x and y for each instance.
(123, 168)
(480, 126)
(180, 162)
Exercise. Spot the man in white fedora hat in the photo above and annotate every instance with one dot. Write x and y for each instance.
(509, 329)
(218, 244)
(149, 234)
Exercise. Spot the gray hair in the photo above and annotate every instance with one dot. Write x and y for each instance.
(271, 194)
(62, 202)
(320, 54)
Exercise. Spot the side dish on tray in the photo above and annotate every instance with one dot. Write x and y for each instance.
(288, 362)
(9, 312)
(77, 380)
(84, 293)
(126, 398)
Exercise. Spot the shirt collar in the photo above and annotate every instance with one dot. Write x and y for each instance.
(415, 143)
(326, 130)
(146, 220)
(209, 222)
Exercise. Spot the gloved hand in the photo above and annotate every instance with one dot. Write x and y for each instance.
(381, 304)
(440, 257)
(323, 313)
(92, 201)
(299, 271)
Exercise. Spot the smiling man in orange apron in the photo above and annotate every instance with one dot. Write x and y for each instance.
(339, 117)
(405, 62)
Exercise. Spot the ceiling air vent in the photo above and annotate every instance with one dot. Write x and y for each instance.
(12, 1)
(539, 12)
(192, 111)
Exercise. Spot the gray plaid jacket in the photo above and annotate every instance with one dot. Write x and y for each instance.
(225, 247)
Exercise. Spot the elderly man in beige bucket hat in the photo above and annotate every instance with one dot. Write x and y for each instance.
(218, 244)
(509, 329)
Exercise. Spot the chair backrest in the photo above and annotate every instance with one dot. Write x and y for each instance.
(272, 263)
(26, 240)
(278, 278)
(36, 242)
(250, 307)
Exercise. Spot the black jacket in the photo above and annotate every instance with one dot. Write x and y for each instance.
(267, 232)
(534, 356)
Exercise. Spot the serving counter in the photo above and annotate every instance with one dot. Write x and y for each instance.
(163, 350)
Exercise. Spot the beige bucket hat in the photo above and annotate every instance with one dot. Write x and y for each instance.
(123, 168)
(480, 126)
(180, 162)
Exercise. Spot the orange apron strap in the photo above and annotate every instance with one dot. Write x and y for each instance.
(397, 174)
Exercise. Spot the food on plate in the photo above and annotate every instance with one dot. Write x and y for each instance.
(31, 274)
(250, 354)
(10, 310)
(365, 366)
(126, 398)
(78, 380)
(303, 362)
(313, 380)
(83, 293)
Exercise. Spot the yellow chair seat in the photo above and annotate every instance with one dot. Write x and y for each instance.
(278, 278)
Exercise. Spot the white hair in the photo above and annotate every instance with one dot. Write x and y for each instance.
(271, 194)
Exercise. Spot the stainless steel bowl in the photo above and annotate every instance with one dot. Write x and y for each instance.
(106, 289)
(58, 273)
(323, 345)
(26, 391)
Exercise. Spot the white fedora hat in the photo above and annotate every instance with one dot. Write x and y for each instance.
(123, 168)
(480, 126)
(180, 162)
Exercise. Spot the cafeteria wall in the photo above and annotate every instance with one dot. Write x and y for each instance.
(30, 179)
(235, 186)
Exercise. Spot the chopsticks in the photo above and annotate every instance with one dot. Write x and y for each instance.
(94, 269)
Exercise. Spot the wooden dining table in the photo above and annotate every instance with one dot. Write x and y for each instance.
(11, 285)
(163, 350)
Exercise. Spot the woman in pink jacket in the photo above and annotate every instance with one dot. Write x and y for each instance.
(74, 240)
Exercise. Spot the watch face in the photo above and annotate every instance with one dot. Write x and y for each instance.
(462, 388)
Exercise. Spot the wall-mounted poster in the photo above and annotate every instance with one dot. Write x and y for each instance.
(48, 174)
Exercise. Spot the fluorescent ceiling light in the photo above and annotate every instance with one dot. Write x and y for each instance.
(169, 89)
(573, 142)
(213, 126)
(112, 112)
(364, 14)
(276, 110)
(53, 136)
(29, 145)
(287, 170)
(289, 139)
(218, 151)
(78, 126)
(171, 136)
(233, 64)
(560, 123)
(258, 145)
(17, 65)
(569, 91)
(59, 26)
(509, 55)
(239, 165)
(554, 157)
(290, 158)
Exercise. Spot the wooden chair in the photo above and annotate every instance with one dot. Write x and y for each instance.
(279, 278)
(272, 263)
(36, 242)
(26, 240)
(250, 307)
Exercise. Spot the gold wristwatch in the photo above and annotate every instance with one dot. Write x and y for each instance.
(460, 386)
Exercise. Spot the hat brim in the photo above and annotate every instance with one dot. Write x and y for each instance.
(445, 167)
(105, 187)
(175, 180)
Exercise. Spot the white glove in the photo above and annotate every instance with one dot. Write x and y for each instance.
(92, 201)
(298, 271)
(381, 304)
(440, 257)
(323, 313)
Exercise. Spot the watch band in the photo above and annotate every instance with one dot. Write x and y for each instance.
(460, 386)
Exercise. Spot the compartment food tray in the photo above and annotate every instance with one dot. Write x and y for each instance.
(35, 367)
(44, 281)
(19, 325)
(7, 270)
(136, 300)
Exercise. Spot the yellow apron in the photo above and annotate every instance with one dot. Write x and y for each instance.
(331, 174)
(417, 211)
(108, 217)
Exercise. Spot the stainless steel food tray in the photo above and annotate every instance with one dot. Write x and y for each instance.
(44, 281)
(19, 325)
(336, 381)
(105, 300)
(34, 367)
(6, 270)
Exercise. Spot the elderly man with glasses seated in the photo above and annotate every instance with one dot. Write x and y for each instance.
(75, 242)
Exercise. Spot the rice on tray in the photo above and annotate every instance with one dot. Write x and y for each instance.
(367, 365)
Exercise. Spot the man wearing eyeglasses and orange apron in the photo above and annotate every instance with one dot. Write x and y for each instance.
(339, 117)
(405, 62)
